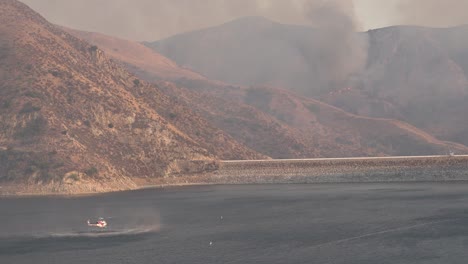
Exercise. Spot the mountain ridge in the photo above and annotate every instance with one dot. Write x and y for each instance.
(230, 108)
(417, 75)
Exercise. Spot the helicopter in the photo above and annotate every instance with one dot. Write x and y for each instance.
(101, 223)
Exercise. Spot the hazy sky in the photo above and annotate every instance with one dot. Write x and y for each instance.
(156, 19)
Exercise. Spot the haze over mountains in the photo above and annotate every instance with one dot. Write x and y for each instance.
(82, 111)
(281, 124)
(414, 74)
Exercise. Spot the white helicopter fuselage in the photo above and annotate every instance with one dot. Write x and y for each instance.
(100, 224)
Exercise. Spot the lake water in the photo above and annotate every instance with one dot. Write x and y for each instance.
(330, 223)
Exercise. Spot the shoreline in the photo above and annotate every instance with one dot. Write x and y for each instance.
(297, 171)
(156, 187)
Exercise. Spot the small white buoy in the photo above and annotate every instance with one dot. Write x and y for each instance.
(211, 243)
(221, 217)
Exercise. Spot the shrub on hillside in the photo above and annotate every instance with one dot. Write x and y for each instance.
(33, 128)
(29, 108)
(93, 171)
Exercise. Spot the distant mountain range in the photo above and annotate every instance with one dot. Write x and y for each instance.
(279, 123)
(413, 74)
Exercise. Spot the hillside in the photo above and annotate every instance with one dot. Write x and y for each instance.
(143, 60)
(414, 74)
(283, 125)
(246, 124)
(417, 75)
(247, 51)
(330, 131)
(74, 121)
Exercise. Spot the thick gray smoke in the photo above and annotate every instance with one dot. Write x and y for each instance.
(435, 13)
(156, 19)
(342, 52)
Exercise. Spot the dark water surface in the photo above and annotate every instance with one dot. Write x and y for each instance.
(341, 223)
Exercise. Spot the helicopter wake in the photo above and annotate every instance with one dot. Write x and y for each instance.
(100, 233)
(94, 233)
(74, 240)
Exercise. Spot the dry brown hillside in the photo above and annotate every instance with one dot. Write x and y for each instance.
(74, 121)
(414, 74)
(143, 59)
(247, 124)
(327, 131)
(280, 124)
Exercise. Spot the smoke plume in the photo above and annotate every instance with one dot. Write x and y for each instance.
(435, 13)
(157, 19)
(342, 52)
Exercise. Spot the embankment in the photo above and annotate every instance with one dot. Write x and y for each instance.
(346, 170)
